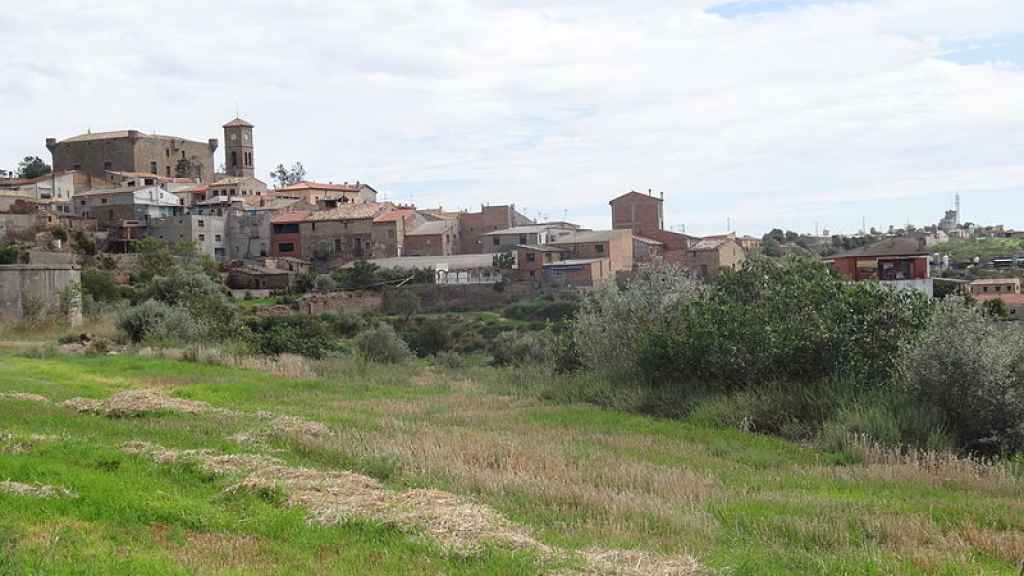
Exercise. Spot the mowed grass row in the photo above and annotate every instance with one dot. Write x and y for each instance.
(577, 476)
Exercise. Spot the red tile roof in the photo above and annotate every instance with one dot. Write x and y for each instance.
(306, 185)
(362, 211)
(394, 215)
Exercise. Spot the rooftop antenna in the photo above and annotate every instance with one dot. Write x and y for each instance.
(957, 208)
(728, 224)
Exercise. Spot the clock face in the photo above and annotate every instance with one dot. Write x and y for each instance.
(234, 137)
(245, 137)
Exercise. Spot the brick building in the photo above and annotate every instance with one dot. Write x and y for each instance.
(644, 215)
(438, 237)
(615, 245)
(134, 151)
(473, 225)
(641, 213)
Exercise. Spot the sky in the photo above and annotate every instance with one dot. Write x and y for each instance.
(747, 115)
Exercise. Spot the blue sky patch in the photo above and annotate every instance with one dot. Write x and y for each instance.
(742, 8)
(989, 51)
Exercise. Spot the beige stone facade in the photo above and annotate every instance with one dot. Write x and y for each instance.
(133, 151)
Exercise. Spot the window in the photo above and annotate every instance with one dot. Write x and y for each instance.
(314, 226)
(81, 202)
(78, 167)
(234, 158)
(103, 201)
(531, 257)
(337, 244)
(497, 241)
(167, 152)
(168, 170)
(202, 237)
(148, 181)
(153, 168)
(599, 248)
(107, 165)
(216, 237)
(522, 238)
(200, 223)
(286, 247)
(183, 155)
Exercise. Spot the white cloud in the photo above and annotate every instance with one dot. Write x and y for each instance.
(822, 111)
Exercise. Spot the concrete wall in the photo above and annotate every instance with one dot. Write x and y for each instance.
(23, 287)
(247, 233)
(206, 231)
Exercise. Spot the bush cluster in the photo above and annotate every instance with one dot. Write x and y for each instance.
(971, 369)
(785, 347)
(382, 344)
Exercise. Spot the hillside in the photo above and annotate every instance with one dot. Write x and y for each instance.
(146, 465)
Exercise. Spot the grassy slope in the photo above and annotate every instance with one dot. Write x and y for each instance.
(577, 476)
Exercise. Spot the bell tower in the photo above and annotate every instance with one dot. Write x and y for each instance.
(238, 148)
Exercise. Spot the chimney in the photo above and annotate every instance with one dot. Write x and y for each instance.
(213, 143)
(649, 192)
(662, 195)
(51, 143)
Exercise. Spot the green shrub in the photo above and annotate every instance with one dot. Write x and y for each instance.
(160, 322)
(205, 299)
(517, 348)
(382, 344)
(540, 310)
(429, 337)
(344, 324)
(100, 286)
(296, 334)
(450, 360)
(971, 368)
(790, 320)
(894, 425)
(325, 283)
(8, 254)
(613, 324)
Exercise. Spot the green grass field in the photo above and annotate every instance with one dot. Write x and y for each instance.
(574, 478)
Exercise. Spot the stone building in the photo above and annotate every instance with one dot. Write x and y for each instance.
(206, 231)
(348, 232)
(97, 153)
(336, 194)
(710, 256)
(238, 149)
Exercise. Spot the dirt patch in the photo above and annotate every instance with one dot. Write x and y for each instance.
(24, 396)
(36, 490)
(458, 524)
(138, 403)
